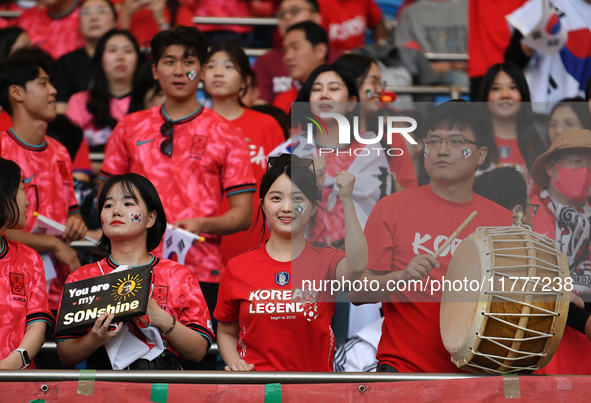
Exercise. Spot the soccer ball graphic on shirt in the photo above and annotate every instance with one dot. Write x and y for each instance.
(310, 304)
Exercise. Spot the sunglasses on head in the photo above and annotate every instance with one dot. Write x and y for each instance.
(292, 159)
(166, 130)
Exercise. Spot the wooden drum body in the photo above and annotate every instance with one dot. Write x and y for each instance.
(506, 325)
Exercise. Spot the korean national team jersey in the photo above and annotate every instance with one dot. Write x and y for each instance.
(47, 174)
(49, 183)
(23, 294)
(209, 160)
(57, 36)
(282, 327)
(175, 290)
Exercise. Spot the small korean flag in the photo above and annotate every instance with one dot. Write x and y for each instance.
(135, 217)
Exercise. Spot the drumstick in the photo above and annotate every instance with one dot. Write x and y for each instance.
(200, 238)
(57, 225)
(455, 234)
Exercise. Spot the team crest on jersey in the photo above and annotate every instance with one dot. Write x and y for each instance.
(282, 278)
(63, 170)
(198, 146)
(504, 152)
(160, 294)
(17, 284)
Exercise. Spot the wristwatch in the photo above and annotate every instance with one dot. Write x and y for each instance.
(24, 357)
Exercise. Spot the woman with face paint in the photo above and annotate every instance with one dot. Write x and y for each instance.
(23, 301)
(133, 222)
(272, 313)
(370, 85)
(227, 77)
(564, 174)
(332, 89)
(505, 98)
(108, 98)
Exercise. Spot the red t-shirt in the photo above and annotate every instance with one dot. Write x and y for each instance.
(488, 33)
(272, 76)
(283, 101)
(5, 121)
(222, 8)
(56, 36)
(81, 161)
(143, 26)
(47, 174)
(176, 291)
(262, 134)
(347, 20)
(77, 112)
(400, 227)
(281, 327)
(510, 155)
(209, 160)
(24, 294)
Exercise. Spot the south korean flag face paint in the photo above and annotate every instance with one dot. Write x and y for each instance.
(426, 152)
(466, 152)
(135, 217)
(300, 208)
(192, 74)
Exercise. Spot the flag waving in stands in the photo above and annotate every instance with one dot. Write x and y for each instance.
(548, 35)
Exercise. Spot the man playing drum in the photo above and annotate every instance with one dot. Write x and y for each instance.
(406, 228)
(563, 172)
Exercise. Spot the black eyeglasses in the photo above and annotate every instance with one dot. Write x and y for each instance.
(451, 141)
(166, 130)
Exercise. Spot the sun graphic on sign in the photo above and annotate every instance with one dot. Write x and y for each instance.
(126, 287)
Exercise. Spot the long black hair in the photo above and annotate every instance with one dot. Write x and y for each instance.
(530, 143)
(99, 98)
(306, 90)
(10, 181)
(129, 183)
(304, 178)
(579, 106)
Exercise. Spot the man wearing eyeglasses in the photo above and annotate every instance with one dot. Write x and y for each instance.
(406, 228)
(564, 174)
(271, 74)
(190, 154)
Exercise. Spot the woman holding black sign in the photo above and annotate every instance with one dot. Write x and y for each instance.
(23, 290)
(133, 222)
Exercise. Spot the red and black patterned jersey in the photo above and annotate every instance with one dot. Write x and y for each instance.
(55, 35)
(49, 183)
(175, 290)
(209, 160)
(23, 298)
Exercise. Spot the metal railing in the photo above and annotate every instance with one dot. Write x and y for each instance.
(50, 347)
(10, 14)
(223, 377)
(236, 20)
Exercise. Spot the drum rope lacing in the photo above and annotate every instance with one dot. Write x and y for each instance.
(540, 244)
